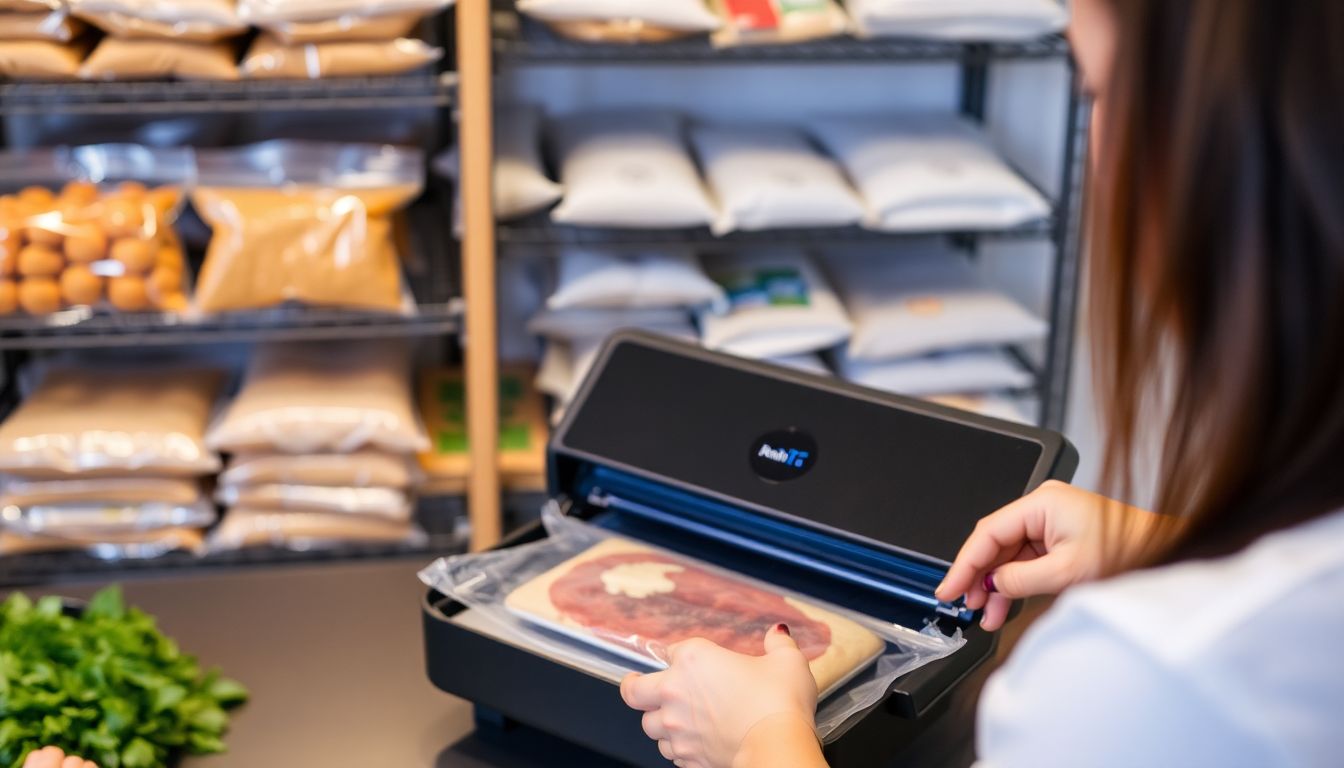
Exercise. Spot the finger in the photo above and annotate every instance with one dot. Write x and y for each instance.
(996, 612)
(779, 640)
(47, 757)
(1035, 576)
(665, 749)
(653, 725)
(641, 691)
(989, 582)
(1008, 529)
(73, 762)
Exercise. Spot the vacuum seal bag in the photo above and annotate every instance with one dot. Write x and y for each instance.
(42, 60)
(148, 59)
(23, 492)
(113, 422)
(627, 31)
(242, 528)
(958, 19)
(388, 503)
(92, 226)
(306, 222)
(360, 469)
(200, 21)
(612, 605)
(689, 15)
(780, 304)
(602, 279)
(929, 172)
(90, 520)
(344, 28)
(134, 545)
(323, 398)
(270, 59)
(56, 26)
(264, 13)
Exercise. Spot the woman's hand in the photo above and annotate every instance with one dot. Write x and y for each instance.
(51, 757)
(703, 709)
(1038, 545)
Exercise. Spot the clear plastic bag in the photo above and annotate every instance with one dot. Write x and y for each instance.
(91, 520)
(500, 585)
(242, 528)
(387, 503)
(92, 227)
(304, 221)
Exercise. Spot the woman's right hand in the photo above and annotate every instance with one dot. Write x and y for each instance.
(1038, 545)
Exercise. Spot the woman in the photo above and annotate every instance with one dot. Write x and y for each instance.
(1218, 289)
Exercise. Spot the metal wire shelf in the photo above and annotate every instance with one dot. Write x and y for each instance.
(540, 231)
(431, 271)
(171, 97)
(520, 41)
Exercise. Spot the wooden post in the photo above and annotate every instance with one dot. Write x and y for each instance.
(478, 266)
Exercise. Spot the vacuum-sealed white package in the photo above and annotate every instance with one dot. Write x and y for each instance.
(628, 169)
(779, 303)
(391, 503)
(991, 20)
(924, 299)
(205, 21)
(593, 279)
(771, 177)
(920, 173)
(521, 184)
(961, 372)
(689, 15)
(92, 519)
(242, 528)
(611, 605)
(264, 12)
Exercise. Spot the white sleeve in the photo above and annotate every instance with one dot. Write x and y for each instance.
(1077, 693)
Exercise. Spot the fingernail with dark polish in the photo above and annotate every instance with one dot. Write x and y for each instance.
(783, 628)
(988, 584)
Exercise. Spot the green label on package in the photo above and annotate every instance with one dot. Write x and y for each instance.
(765, 287)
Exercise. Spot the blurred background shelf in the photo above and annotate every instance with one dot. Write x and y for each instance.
(521, 41)
(540, 231)
(121, 98)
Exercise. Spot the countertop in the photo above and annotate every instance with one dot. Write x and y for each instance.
(333, 657)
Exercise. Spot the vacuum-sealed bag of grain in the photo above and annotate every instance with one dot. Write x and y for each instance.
(92, 227)
(306, 222)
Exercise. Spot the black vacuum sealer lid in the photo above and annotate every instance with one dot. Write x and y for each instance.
(791, 449)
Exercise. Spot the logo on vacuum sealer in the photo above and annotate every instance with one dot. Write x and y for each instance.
(783, 455)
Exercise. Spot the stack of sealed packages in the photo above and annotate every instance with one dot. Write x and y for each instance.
(162, 39)
(39, 41)
(109, 461)
(310, 39)
(322, 442)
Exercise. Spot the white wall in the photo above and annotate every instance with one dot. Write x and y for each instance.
(1026, 113)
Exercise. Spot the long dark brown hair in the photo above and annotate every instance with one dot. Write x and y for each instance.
(1218, 265)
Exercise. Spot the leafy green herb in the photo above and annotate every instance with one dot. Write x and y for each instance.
(106, 685)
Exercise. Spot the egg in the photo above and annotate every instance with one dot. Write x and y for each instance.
(164, 281)
(9, 297)
(39, 260)
(45, 235)
(173, 302)
(80, 286)
(79, 193)
(128, 293)
(123, 218)
(39, 295)
(134, 254)
(10, 245)
(86, 245)
(37, 196)
(171, 256)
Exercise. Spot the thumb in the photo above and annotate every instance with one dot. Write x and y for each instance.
(1028, 578)
(777, 639)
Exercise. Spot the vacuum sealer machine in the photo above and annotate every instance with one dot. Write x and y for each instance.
(851, 496)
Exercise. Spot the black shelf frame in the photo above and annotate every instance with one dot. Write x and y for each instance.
(183, 97)
(520, 41)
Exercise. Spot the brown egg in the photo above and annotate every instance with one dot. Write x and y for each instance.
(80, 192)
(37, 196)
(134, 254)
(80, 286)
(86, 245)
(9, 253)
(45, 235)
(39, 260)
(39, 295)
(123, 218)
(171, 256)
(173, 302)
(128, 293)
(9, 297)
(164, 281)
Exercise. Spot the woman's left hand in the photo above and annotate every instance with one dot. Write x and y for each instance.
(702, 709)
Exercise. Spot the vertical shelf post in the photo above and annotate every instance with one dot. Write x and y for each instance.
(476, 151)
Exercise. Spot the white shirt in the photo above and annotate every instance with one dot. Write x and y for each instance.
(1226, 663)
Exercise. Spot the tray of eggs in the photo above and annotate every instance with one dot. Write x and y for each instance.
(109, 247)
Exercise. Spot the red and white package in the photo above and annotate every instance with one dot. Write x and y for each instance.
(776, 22)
